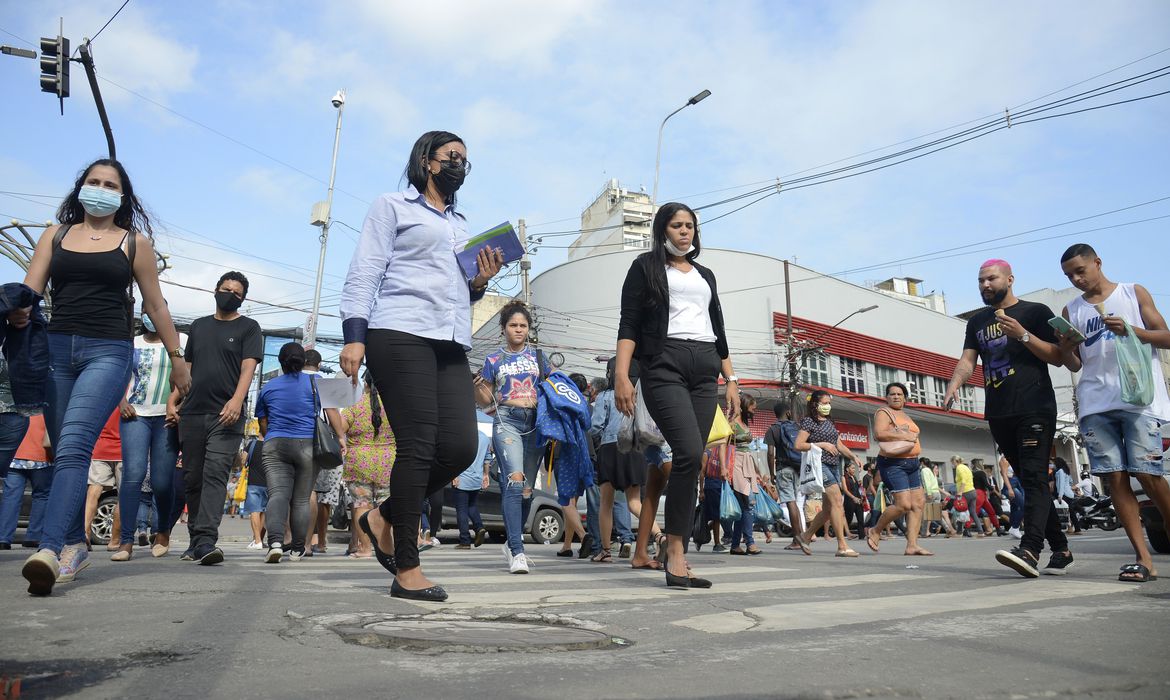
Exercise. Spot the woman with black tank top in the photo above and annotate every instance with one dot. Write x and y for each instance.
(90, 261)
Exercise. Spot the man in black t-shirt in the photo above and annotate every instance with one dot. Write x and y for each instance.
(1013, 340)
(223, 350)
(784, 464)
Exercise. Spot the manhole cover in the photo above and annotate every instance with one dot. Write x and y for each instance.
(475, 635)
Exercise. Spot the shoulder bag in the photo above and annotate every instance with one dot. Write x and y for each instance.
(326, 446)
(894, 447)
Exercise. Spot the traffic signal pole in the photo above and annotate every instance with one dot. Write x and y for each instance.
(86, 60)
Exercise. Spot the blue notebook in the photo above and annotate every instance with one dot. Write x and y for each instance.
(502, 237)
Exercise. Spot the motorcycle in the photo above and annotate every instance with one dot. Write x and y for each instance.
(1096, 512)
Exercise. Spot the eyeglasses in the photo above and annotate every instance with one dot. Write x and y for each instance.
(456, 159)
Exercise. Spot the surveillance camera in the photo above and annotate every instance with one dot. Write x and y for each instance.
(338, 99)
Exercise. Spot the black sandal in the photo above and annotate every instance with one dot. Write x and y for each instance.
(1136, 573)
(602, 557)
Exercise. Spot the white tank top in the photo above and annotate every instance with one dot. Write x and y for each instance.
(1099, 386)
(690, 302)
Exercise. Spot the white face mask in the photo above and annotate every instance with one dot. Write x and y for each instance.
(675, 250)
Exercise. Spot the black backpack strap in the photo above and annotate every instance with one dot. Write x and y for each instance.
(542, 364)
(60, 235)
(131, 248)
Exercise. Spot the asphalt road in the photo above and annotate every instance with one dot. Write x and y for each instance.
(776, 625)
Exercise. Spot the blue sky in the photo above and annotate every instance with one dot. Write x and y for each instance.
(221, 113)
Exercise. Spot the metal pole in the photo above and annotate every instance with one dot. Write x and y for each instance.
(658, 156)
(87, 61)
(311, 336)
(792, 388)
(525, 263)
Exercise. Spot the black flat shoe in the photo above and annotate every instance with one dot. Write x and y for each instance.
(386, 560)
(434, 594)
(673, 581)
(565, 553)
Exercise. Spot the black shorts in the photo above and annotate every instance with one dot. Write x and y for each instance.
(621, 470)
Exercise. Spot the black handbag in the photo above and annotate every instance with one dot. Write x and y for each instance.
(700, 533)
(326, 446)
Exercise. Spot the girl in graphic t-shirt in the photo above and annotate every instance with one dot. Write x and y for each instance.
(509, 379)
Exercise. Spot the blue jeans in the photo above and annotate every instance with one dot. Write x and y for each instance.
(466, 510)
(147, 520)
(742, 528)
(621, 517)
(147, 440)
(1121, 440)
(1017, 514)
(42, 481)
(13, 426)
(87, 380)
(518, 452)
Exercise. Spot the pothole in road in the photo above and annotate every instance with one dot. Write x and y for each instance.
(444, 632)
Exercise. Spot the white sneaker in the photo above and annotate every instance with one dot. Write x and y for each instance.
(507, 555)
(519, 564)
(275, 552)
(255, 545)
(1016, 533)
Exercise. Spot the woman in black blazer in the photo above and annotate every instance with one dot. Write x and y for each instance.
(672, 322)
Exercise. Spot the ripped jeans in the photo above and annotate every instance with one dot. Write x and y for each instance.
(517, 452)
(1122, 440)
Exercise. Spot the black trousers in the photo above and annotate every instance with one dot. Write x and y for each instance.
(679, 387)
(1026, 441)
(209, 450)
(426, 389)
(854, 512)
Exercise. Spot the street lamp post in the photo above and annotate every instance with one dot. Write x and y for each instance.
(658, 156)
(809, 348)
(322, 216)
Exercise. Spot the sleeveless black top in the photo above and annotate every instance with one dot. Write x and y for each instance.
(90, 293)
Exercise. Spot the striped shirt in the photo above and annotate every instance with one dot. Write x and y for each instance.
(150, 377)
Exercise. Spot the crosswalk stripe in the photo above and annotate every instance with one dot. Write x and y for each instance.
(651, 588)
(851, 611)
(469, 575)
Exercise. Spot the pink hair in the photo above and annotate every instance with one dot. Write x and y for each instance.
(997, 262)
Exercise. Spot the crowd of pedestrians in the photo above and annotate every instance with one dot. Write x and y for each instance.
(161, 416)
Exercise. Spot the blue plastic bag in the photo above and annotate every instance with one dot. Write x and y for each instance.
(729, 504)
(766, 508)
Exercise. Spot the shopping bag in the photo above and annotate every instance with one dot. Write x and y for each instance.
(646, 432)
(700, 533)
(729, 504)
(1136, 369)
(812, 481)
(720, 428)
(764, 514)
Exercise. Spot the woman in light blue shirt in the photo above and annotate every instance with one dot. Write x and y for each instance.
(406, 309)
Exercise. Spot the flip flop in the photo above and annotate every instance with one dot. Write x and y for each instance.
(849, 553)
(1136, 573)
(652, 565)
(919, 553)
(804, 546)
(794, 547)
(869, 541)
(355, 555)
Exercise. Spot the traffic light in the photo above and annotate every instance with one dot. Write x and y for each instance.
(55, 66)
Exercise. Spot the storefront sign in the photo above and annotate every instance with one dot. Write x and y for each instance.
(855, 437)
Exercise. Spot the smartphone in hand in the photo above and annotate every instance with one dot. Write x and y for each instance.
(1066, 329)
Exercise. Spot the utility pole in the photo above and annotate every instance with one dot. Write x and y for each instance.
(525, 264)
(86, 60)
(322, 216)
(789, 357)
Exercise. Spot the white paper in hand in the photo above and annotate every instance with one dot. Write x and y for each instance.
(338, 392)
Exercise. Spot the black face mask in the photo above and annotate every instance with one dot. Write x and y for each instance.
(449, 178)
(227, 302)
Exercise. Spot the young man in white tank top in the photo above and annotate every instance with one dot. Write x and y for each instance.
(1122, 439)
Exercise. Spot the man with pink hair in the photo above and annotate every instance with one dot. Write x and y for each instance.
(1015, 343)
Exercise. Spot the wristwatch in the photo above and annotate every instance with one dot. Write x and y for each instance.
(733, 378)
(176, 353)
(1026, 338)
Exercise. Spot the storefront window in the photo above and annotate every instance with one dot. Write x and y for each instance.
(815, 371)
(852, 375)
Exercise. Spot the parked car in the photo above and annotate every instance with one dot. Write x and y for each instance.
(103, 519)
(546, 521)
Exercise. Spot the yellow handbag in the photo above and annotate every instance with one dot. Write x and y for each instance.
(241, 487)
(720, 428)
